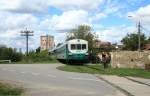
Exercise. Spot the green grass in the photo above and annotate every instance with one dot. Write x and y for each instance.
(98, 69)
(54, 61)
(36, 62)
(8, 90)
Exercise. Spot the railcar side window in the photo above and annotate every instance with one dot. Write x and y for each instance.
(83, 46)
(78, 46)
(73, 46)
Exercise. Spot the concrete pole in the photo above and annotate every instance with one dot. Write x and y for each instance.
(139, 36)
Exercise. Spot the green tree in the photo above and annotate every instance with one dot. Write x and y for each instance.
(148, 40)
(38, 50)
(10, 54)
(83, 32)
(131, 41)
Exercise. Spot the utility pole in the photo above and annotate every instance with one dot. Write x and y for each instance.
(27, 33)
(139, 36)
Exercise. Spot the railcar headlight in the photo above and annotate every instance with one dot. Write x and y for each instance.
(86, 53)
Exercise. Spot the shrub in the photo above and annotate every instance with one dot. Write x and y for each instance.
(42, 56)
(147, 66)
(10, 54)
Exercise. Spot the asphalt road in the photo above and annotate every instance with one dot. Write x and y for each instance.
(46, 80)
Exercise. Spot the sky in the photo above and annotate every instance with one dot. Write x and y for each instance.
(109, 19)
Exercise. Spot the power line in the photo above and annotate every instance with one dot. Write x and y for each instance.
(27, 33)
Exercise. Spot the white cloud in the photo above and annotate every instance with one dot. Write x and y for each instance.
(75, 13)
(144, 11)
(69, 19)
(10, 34)
(97, 17)
(32, 6)
(114, 34)
(11, 25)
(16, 15)
(24, 6)
(76, 4)
(16, 21)
(9, 4)
(142, 14)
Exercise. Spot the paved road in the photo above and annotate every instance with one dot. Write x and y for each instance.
(46, 80)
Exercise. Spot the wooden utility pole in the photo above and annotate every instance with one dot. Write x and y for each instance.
(27, 33)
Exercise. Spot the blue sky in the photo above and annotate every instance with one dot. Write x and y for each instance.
(108, 19)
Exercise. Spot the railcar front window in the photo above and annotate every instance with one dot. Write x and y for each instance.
(83, 46)
(73, 46)
(78, 46)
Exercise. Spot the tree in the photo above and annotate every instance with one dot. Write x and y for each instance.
(10, 54)
(83, 32)
(148, 40)
(38, 50)
(131, 41)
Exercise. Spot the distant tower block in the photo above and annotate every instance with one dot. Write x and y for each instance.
(47, 42)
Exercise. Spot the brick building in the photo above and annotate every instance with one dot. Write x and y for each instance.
(147, 46)
(47, 42)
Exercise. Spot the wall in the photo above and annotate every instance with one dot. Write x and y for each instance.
(130, 59)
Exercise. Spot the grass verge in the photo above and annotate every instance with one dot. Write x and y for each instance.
(36, 62)
(9, 90)
(98, 69)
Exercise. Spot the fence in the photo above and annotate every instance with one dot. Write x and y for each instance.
(9, 61)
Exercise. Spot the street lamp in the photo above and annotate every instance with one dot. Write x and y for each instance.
(139, 34)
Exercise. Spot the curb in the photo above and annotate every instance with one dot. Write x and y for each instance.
(137, 81)
(117, 87)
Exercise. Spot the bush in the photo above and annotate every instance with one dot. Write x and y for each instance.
(10, 54)
(42, 56)
(94, 58)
